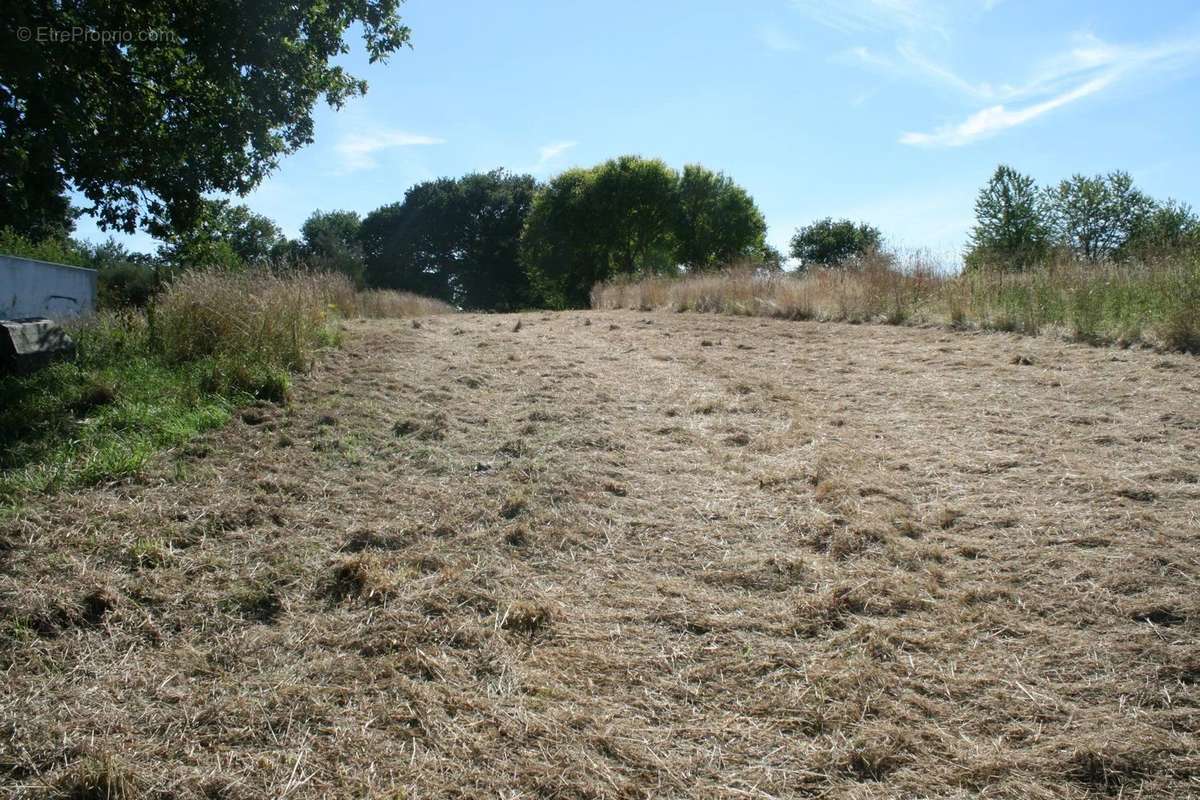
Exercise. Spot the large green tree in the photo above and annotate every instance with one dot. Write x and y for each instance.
(223, 235)
(330, 241)
(457, 239)
(201, 97)
(1094, 217)
(561, 253)
(493, 207)
(831, 243)
(620, 217)
(635, 200)
(405, 245)
(718, 220)
(1012, 227)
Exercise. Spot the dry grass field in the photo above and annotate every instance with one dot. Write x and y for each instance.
(620, 555)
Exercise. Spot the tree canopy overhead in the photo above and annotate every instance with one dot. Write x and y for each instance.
(198, 100)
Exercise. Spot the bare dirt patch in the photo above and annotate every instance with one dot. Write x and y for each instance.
(618, 554)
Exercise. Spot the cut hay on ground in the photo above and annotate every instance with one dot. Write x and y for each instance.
(621, 555)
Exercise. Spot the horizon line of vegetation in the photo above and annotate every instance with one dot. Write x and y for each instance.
(503, 241)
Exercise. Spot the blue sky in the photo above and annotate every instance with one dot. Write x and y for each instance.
(890, 111)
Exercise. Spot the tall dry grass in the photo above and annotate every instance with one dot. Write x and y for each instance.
(1156, 303)
(254, 315)
(274, 318)
(386, 304)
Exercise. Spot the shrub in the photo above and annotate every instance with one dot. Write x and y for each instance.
(125, 284)
(1180, 325)
(58, 250)
(829, 243)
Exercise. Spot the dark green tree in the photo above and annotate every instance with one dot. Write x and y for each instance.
(33, 193)
(636, 201)
(831, 243)
(492, 209)
(585, 226)
(330, 242)
(410, 245)
(1012, 224)
(718, 220)
(202, 98)
(771, 259)
(223, 235)
(561, 254)
(326, 232)
(457, 239)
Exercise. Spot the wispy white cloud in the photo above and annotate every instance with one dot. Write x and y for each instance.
(1084, 69)
(994, 119)
(869, 58)
(860, 98)
(774, 38)
(910, 62)
(940, 73)
(358, 150)
(862, 16)
(548, 154)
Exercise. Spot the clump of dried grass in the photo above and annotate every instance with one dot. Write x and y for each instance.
(275, 318)
(880, 287)
(360, 577)
(96, 778)
(525, 616)
(880, 596)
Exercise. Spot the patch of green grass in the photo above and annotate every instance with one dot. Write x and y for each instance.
(104, 413)
(149, 552)
(143, 381)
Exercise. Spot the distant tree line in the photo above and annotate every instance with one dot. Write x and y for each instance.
(1019, 225)
(492, 240)
(503, 241)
